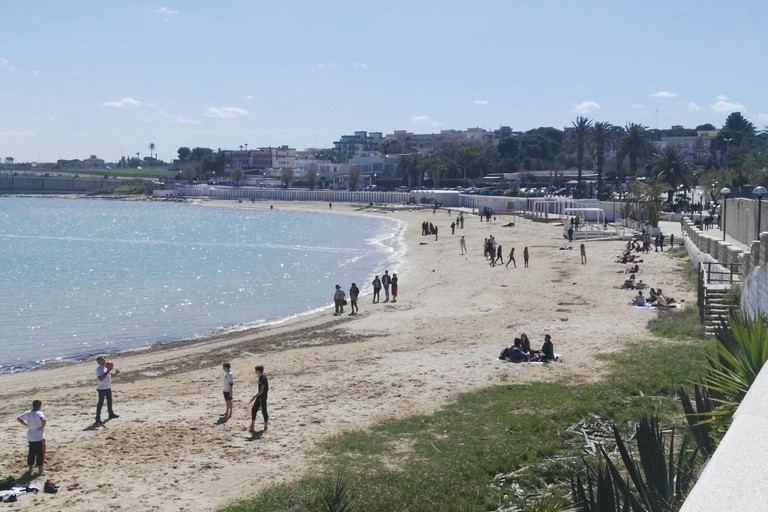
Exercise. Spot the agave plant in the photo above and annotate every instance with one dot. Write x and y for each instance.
(658, 478)
(741, 350)
(335, 495)
(698, 417)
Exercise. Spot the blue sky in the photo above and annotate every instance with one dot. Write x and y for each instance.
(109, 77)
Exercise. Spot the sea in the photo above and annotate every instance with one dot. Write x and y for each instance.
(86, 276)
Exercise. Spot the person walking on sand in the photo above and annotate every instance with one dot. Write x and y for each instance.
(386, 281)
(338, 300)
(463, 245)
(511, 258)
(104, 388)
(583, 254)
(260, 399)
(227, 387)
(376, 289)
(453, 228)
(499, 255)
(525, 257)
(354, 292)
(394, 287)
(34, 421)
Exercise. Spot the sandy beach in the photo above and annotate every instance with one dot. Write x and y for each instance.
(328, 374)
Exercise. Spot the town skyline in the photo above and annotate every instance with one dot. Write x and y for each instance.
(86, 78)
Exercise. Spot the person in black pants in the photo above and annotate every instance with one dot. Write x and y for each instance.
(260, 399)
(34, 421)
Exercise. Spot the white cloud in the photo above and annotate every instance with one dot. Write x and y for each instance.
(164, 11)
(762, 118)
(37, 74)
(183, 120)
(721, 97)
(664, 94)
(637, 106)
(362, 65)
(123, 102)
(586, 107)
(4, 63)
(481, 103)
(226, 112)
(424, 120)
(13, 133)
(249, 97)
(692, 107)
(727, 106)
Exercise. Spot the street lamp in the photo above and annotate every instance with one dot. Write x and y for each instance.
(701, 210)
(725, 192)
(759, 192)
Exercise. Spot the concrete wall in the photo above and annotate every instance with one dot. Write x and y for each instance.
(741, 219)
(713, 246)
(54, 184)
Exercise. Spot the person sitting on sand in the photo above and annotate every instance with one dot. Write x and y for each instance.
(547, 350)
(525, 345)
(662, 300)
(629, 284)
(639, 300)
(633, 269)
(652, 296)
(640, 285)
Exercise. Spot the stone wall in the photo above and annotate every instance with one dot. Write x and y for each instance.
(54, 184)
(741, 219)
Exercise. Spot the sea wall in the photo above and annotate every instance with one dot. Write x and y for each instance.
(54, 184)
(741, 219)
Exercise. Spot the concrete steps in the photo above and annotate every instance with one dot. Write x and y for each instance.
(716, 309)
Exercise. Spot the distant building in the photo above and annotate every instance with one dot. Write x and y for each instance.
(261, 159)
(94, 161)
(693, 148)
(349, 145)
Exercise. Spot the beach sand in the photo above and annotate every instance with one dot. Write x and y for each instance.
(328, 374)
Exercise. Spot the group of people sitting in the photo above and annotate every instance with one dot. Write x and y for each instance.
(655, 298)
(521, 352)
(632, 284)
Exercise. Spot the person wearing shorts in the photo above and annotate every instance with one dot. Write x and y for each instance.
(260, 399)
(227, 387)
(34, 421)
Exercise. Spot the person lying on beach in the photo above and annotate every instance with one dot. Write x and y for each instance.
(640, 285)
(639, 300)
(633, 269)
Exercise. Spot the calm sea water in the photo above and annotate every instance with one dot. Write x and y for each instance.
(84, 276)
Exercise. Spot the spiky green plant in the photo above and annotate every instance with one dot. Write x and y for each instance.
(698, 416)
(335, 495)
(658, 478)
(741, 350)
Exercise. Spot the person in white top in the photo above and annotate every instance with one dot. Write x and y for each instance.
(104, 387)
(227, 386)
(34, 421)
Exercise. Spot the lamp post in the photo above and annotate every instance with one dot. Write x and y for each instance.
(725, 192)
(701, 210)
(759, 192)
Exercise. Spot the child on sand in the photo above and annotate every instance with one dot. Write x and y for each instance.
(227, 386)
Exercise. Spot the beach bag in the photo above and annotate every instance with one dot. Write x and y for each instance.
(504, 354)
(344, 302)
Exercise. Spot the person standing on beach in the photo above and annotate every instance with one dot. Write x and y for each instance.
(499, 255)
(672, 241)
(354, 292)
(463, 245)
(394, 287)
(570, 232)
(435, 233)
(453, 228)
(34, 421)
(227, 387)
(330, 206)
(260, 399)
(525, 257)
(376, 289)
(386, 281)
(583, 254)
(338, 300)
(104, 388)
(511, 258)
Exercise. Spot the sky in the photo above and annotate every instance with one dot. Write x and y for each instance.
(110, 77)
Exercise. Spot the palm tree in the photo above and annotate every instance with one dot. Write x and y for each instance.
(635, 144)
(152, 148)
(671, 168)
(602, 137)
(578, 137)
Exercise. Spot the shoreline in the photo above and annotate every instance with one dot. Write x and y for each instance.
(331, 374)
(248, 327)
